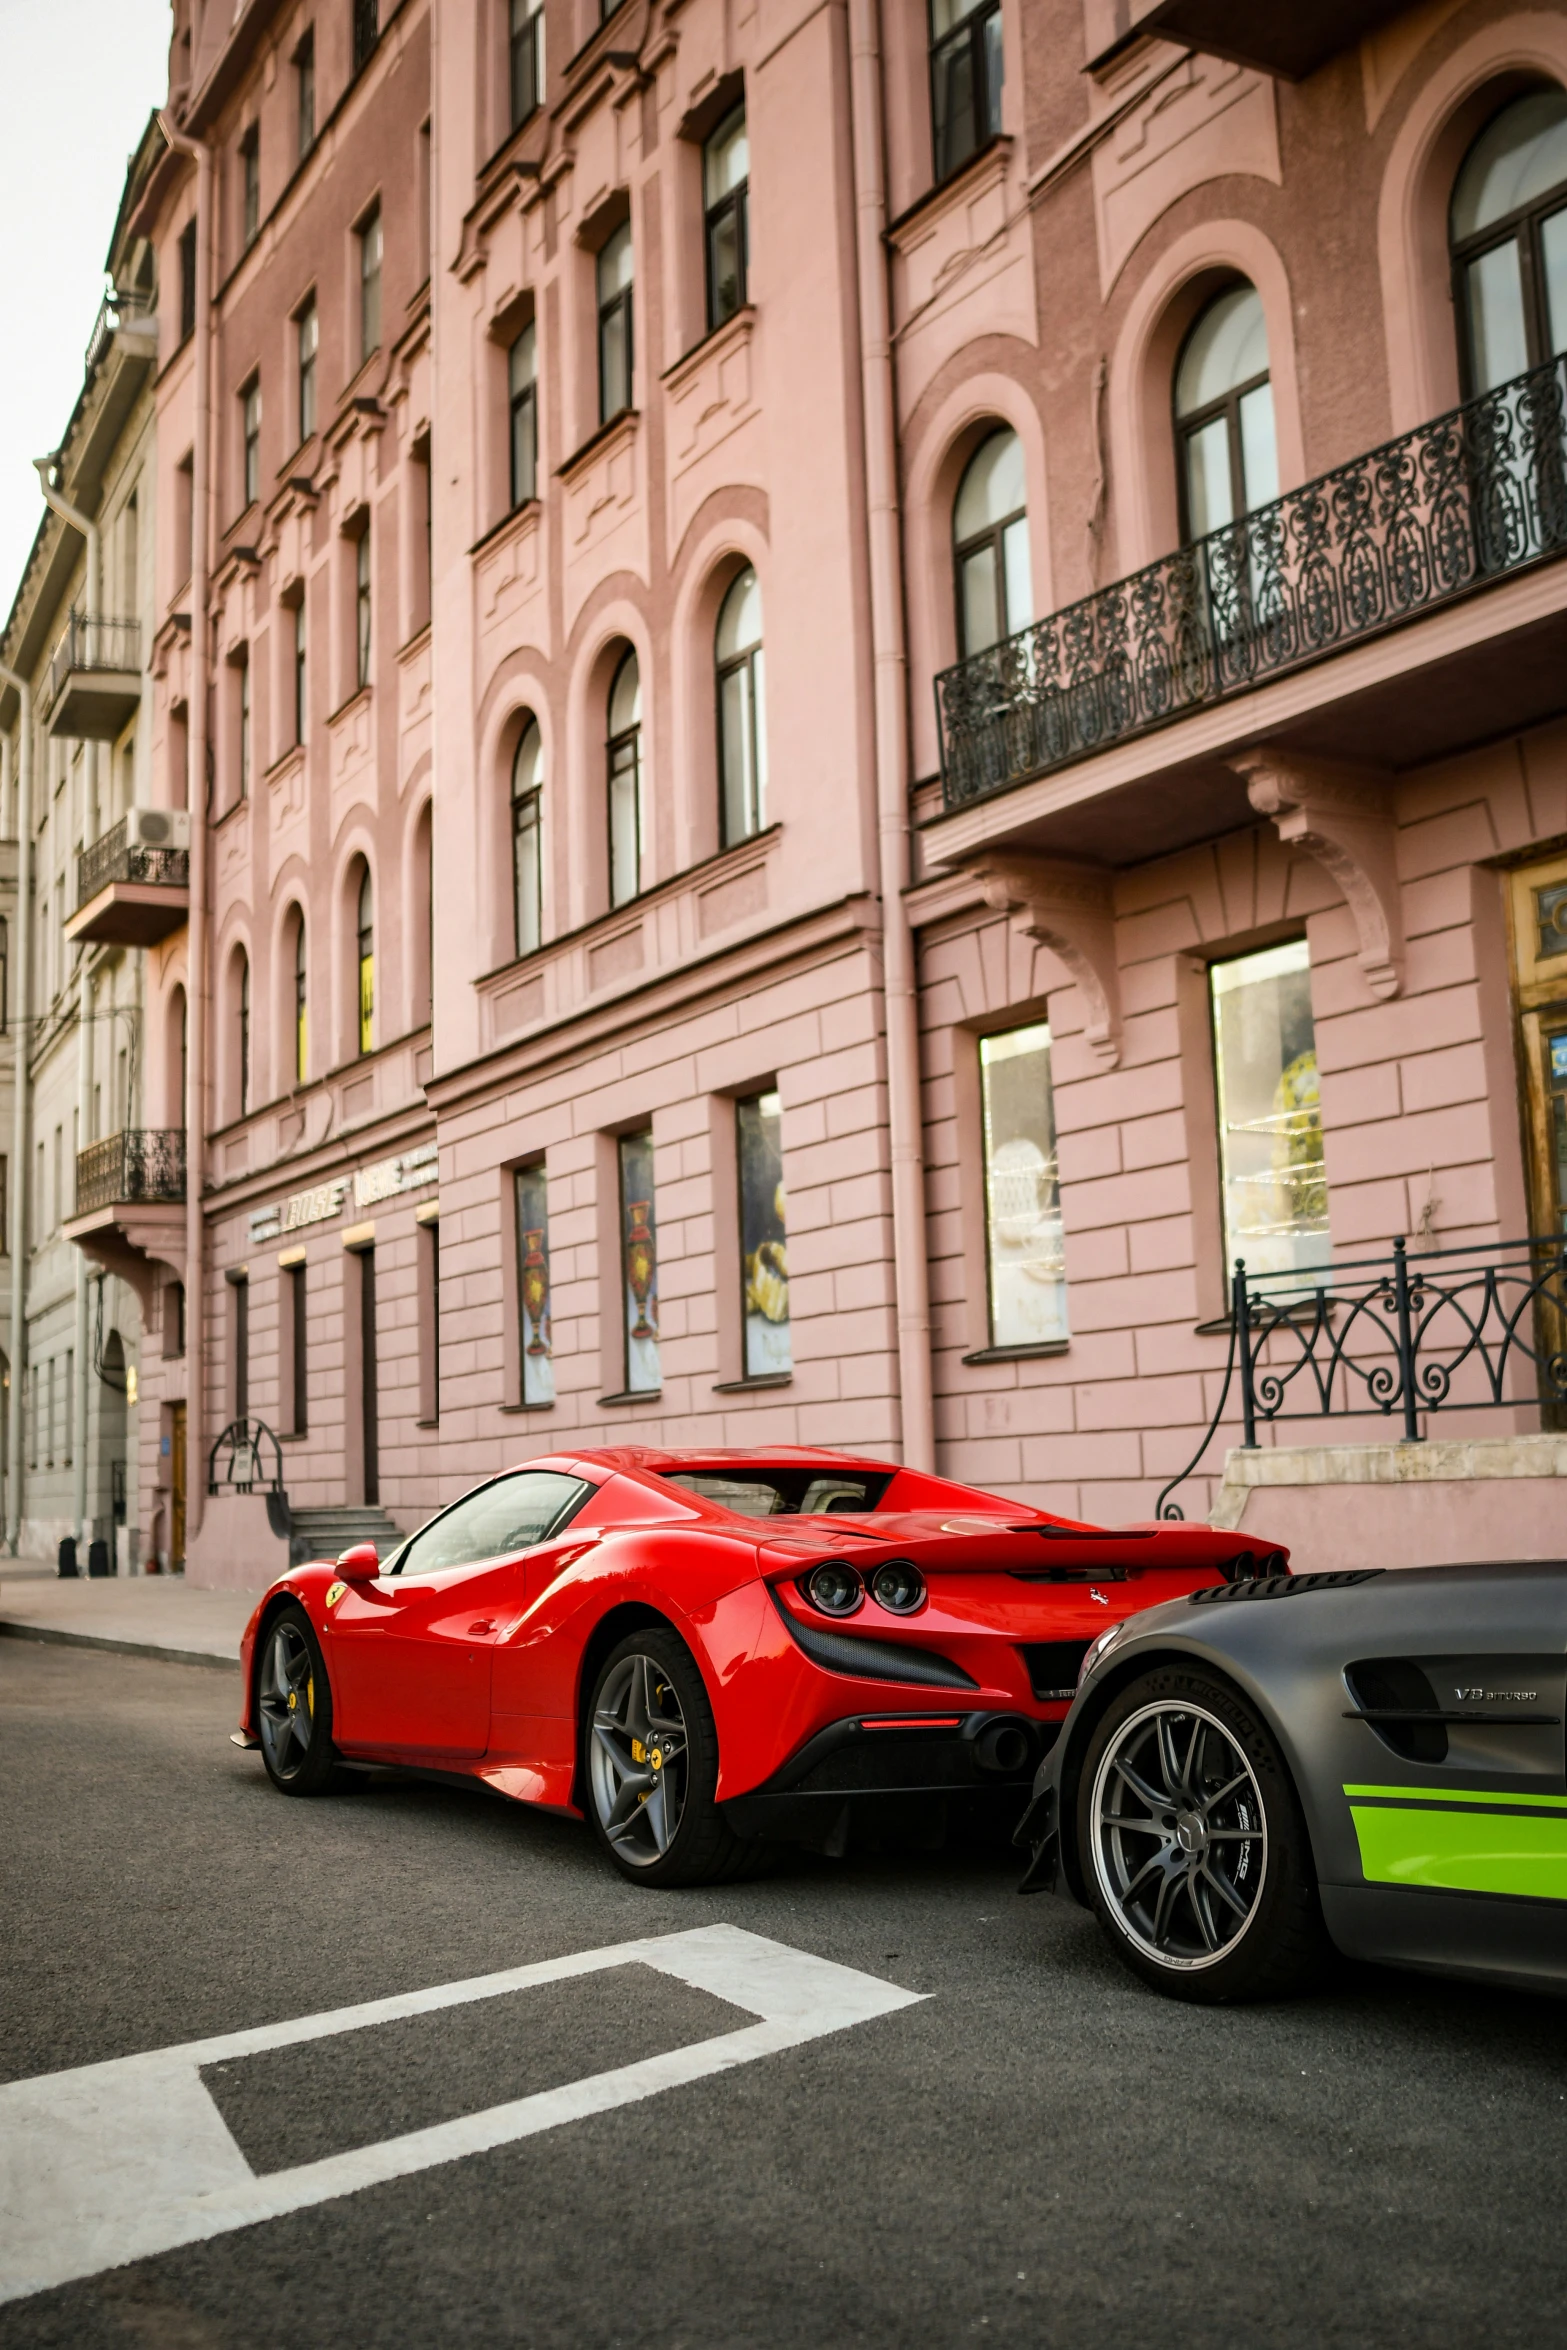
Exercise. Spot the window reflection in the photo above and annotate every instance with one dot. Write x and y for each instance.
(764, 1261)
(1024, 1253)
(1270, 1119)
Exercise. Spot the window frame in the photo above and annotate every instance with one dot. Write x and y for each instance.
(250, 441)
(523, 400)
(397, 1564)
(301, 1001)
(301, 672)
(364, 610)
(304, 64)
(307, 320)
(524, 43)
(972, 32)
(618, 304)
(735, 203)
(536, 1359)
(629, 739)
(1522, 225)
(366, 32)
(527, 816)
(370, 322)
(242, 1021)
(976, 1075)
(1227, 406)
(250, 187)
(751, 663)
(364, 966)
(992, 536)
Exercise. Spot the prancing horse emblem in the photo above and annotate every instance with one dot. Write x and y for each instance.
(1099, 1595)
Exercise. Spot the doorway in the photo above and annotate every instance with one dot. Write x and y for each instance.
(369, 1376)
(177, 1488)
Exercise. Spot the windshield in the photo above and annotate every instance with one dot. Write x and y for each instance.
(784, 1493)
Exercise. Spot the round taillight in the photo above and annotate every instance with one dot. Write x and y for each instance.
(898, 1586)
(836, 1590)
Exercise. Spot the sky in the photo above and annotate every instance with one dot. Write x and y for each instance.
(78, 79)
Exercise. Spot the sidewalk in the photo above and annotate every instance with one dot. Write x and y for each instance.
(141, 1615)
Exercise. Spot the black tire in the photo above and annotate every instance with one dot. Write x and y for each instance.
(650, 1767)
(1216, 1899)
(292, 1687)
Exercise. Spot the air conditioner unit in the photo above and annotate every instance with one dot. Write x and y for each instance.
(157, 828)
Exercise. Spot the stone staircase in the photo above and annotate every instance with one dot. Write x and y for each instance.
(326, 1533)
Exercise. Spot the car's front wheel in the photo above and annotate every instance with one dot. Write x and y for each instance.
(294, 1704)
(650, 1760)
(1192, 1843)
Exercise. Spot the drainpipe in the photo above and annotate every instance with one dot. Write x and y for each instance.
(884, 530)
(92, 600)
(21, 1017)
(196, 982)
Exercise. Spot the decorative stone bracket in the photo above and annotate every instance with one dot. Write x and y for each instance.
(1343, 816)
(1067, 908)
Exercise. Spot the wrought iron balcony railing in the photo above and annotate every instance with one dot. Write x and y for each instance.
(1471, 497)
(94, 644)
(115, 857)
(1392, 1338)
(144, 1165)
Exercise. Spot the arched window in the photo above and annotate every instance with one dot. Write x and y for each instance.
(990, 545)
(1509, 238)
(365, 959)
(301, 1017)
(1224, 414)
(625, 781)
(527, 816)
(242, 1029)
(742, 709)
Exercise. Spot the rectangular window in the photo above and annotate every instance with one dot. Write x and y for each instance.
(243, 682)
(528, 868)
(250, 428)
(1271, 1166)
(522, 369)
(370, 285)
(639, 1263)
(53, 1378)
(764, 1260)
(726, 167)
(362, 607)
(187, 281)
(965, 79)
(527, 59)
(301, 681)
(294, 1350)
(250, 185)
(305, 95)
(367, 31)
(1025, 1260)
(533, 1280)
(5, 1209)
(307, 331)
(68, 1414)
(427, 1238)
(615, 333)
(184, 516)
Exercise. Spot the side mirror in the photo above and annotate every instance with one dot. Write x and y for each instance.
(359, 1564)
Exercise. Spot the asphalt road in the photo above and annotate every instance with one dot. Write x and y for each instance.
(1038, 2153)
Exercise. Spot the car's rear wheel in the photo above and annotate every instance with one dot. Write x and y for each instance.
(294, 1704)
(650, 1762)
(1192, 1843)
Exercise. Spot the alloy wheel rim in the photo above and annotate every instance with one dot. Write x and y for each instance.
(287, 1698)
(1180, 1836)
(638, 1759)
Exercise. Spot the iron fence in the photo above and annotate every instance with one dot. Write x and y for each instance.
(1400, 1337)
(121, 306)
(139, 1166)
(238, 1461)
(94, 644)
(1473, 496)
(115, 857)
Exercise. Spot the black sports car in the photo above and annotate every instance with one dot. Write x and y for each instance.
(1372, 1761)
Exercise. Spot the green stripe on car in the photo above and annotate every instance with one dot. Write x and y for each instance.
(1486, 1795)
(1439, 1845)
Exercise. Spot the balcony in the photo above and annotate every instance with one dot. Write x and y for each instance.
(126, 323)
(1341, 588)
(130, 1207)
(94, 684)
(1288, 41)
(132, 892)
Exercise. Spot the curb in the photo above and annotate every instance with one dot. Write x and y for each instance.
(49, 1634)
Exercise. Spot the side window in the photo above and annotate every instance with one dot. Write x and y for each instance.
(614, 273)
(990, 546)
(1224, 414)
(1025, 1259)
(742, 711)
(624, 752)
(510, 1515)
(1270, 1117)
(522, 402)
(726, 173)
(527, 864)
(1509, 240)
(965, 79)
(525, 43)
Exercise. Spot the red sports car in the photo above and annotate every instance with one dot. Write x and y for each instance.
(706, 1651)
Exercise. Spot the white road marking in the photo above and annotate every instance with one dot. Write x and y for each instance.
(118, 2161)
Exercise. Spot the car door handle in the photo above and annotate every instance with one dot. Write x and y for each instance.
(485, 1624)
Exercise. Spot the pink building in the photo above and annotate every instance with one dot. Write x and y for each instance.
(888, 683)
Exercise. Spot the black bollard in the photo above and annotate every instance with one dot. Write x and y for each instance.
(98, 1559)
(68, 1565)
